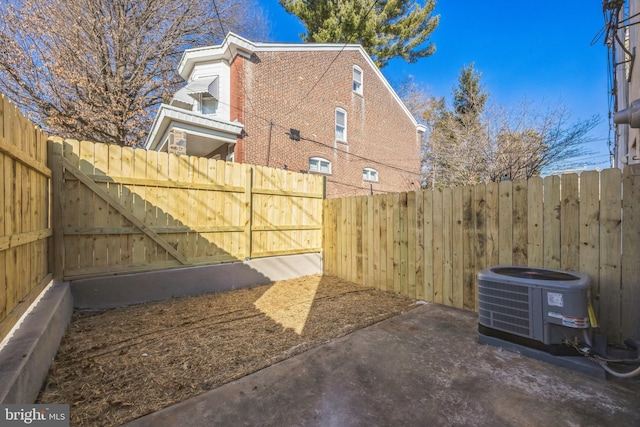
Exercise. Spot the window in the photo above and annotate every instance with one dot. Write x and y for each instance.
(369, 174)
(357, 79)
(231, 153)
(208, 104)
(318, 164)
(341, 125)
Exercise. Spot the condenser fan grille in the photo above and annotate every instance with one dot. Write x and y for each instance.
(504, 306)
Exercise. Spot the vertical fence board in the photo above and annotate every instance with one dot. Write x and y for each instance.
(610, 247)
(438, 248)
(457, 248)
(480, 230)
(535, 222)
(469, 298)
(359, 241)
(402, 220)
(551, 218)
(447, 246)
(371, 247)
(85, 204)
(630, 312)
(419, 244)
(590, 232)
(493, 226)
(375, 242)
(570, 223)
(520, 223)
(428, 243)
(391, 247)
(384, 244)
(397, 244)
(505, 222)
(411, 244)
(127, 159)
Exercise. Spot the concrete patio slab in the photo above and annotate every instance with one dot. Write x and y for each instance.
(424, 367)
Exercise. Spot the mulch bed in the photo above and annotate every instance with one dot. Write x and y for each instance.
(114, 366)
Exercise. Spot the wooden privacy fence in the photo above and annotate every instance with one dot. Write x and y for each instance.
(431, 244)
(24, 214)
(125, 210)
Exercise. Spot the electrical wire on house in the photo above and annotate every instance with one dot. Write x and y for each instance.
(349, 37)
(215, 8)
(271, 124)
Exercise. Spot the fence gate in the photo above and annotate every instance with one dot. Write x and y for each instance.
(124, 210)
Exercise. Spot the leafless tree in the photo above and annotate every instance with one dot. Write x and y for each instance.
(474, 142)
(95, 69)
(524, 141)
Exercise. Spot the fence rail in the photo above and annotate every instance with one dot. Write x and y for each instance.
(128, 210)
(24, 214)
(431, 244)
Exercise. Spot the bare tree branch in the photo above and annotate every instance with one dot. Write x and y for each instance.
(96, 69)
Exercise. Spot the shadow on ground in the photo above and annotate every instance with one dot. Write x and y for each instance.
(424, 367)
(114, 366)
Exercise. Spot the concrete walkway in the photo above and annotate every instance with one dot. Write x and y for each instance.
(421, 368)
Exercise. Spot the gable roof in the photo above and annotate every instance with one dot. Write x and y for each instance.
(234, 45)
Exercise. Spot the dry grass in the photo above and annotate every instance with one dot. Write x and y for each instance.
(117, 365)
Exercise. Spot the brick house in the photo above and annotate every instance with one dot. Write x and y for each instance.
(316, 108)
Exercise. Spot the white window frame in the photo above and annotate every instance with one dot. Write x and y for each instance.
(370, 174)
(318, 165)
(357, 84)
(203, 98)
(343, 127)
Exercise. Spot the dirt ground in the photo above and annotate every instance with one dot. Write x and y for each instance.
(114, 366)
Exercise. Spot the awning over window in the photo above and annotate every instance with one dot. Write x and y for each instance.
(205, 85)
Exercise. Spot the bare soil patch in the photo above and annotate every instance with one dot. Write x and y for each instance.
(117, 365)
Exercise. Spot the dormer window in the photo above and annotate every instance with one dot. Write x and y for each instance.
(200, 94)
(208, 104)
(357, 79)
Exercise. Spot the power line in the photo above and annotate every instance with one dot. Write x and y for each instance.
(271, 122)
(215, 7)
(375, 3)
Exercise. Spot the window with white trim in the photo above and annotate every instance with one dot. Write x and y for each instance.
(341, 125)
(208, 104)
(370, 174)
(357, 79)
(318, 164)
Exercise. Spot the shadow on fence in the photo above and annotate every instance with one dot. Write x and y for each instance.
(431, 244)
(122, 210)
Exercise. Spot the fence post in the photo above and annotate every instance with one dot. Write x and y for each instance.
(56, 244)
(248, 199)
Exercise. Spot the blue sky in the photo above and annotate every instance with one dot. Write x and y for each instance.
(538, 50)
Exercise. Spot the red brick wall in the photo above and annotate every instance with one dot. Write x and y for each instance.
(379, 133)
(237, 102)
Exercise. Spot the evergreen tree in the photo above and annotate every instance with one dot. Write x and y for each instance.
(471, 143)
(385, 28)
(469, 97)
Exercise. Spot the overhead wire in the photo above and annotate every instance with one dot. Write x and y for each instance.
(363, 20)
(215, 8)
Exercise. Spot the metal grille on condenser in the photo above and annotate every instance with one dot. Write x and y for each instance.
(504, 306)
